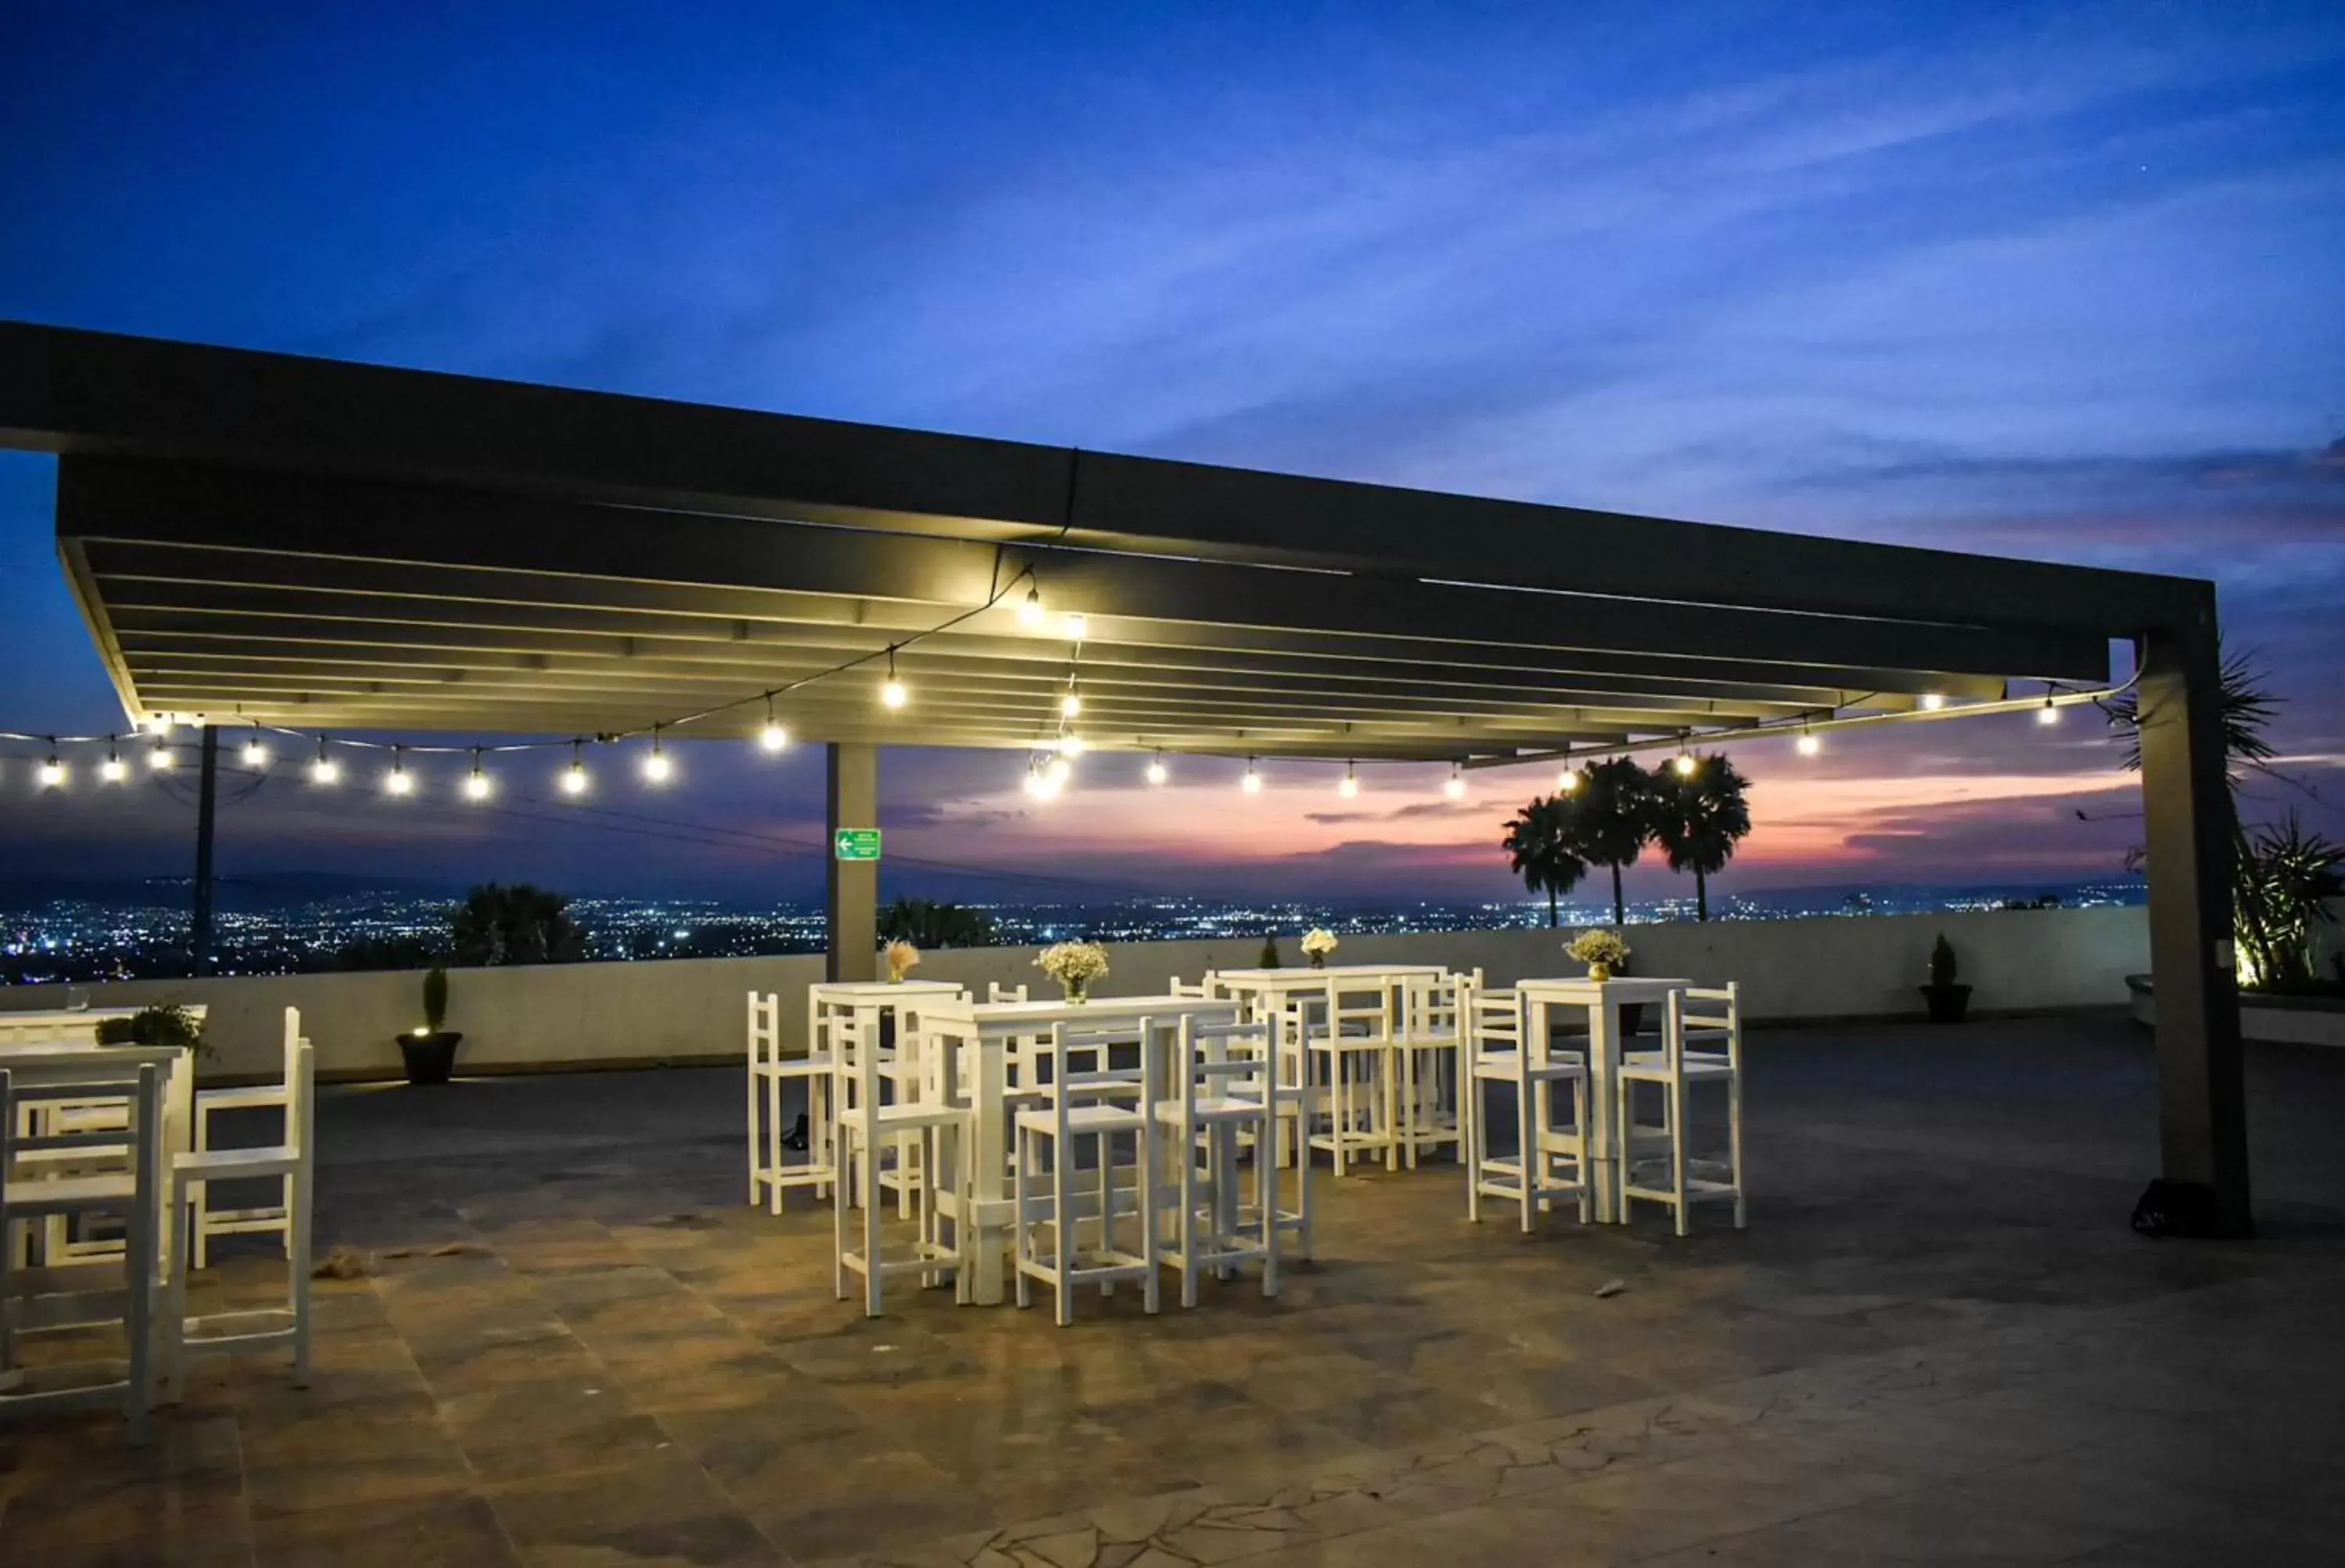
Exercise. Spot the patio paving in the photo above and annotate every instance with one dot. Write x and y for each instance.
(576, 1345)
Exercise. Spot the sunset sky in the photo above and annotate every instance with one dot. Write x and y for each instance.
(2063, 282)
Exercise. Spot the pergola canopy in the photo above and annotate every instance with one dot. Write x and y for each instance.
(340, 547)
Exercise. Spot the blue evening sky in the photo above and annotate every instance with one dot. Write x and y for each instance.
(2066, 281)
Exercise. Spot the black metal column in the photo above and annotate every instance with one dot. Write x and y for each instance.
(2187, 807)
(199, 926)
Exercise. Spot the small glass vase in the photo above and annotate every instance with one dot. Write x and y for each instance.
(1077, 990)
(1600, 972)
(1318, 961)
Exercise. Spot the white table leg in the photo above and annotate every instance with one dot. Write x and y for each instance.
(989, 1232)
(1603, 1060)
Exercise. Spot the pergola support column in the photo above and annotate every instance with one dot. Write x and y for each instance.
(853, 886)
(2187, 807)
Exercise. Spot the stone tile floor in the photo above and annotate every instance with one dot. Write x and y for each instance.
(1937, 1342)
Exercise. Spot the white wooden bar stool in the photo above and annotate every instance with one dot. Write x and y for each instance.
(908, 1098)
(997, 992)
(1223, 1084)
(1701, 1043)
(770, 1174)
(1425, 1058)
(1087, 1097)
(1356, 1073)
(1548, 1162)
(122, 1290)
(1202, 991)
(258, 1219)
(294, 1164)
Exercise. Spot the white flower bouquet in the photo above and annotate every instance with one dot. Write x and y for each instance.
(1317, 943)
(901, 958)
(1601, 951)
(1075, 965)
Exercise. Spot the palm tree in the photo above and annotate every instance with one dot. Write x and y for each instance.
(1615, 808)
(515, 923)
(1539, 846)
(926, 923)
(1698, 816)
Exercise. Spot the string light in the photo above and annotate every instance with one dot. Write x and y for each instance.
(1455, 785)
(891, 691)
(2048, 714)
(1566, 782)
(656, 767)
(1809, 743)
(1058, 769)
(398, 781)
(325, 771)
(476, 783)
(113, 770)
(1157, 772)
(254, 755)
(1252, 783)
(1933, 700)
(574, 778)
(159, 724)
(1044, 783)
(52, 773)
(774, 737)
(1349, 785)
(159, 757)
(1071, 704)
(1073, 745)
(1075, 624)
(1684, 764)
(1030, 608)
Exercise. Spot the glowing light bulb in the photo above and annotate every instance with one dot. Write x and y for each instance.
(398, 781)
(53, 773)
(159, 758)
(159, 724)
(114, 770)
(1073, 745)
(1809, 743)
(1933, 700)
(325, 771)
(1252, 783)
(1059, 770)
(1566, 782)
(1455, 785)
(1074, 626)
(1030, 608)
(573, 778)
(2048, 714)
(774, 737)
(656, 767)
(1684, 765)
(1070, 706)
(476, 784)
(254, 754)
(1349, 784)
(1157, 771)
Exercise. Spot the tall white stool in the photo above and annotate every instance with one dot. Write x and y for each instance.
(1425, 1050)
(292, 1162)
(1549, 1162)
(78, 1296)
(770, 1174)
(1356, 1074)
(907, 1099)
(1701, 1043)
(260, 1219)
(997, 992)
(1087, 1096)
(1223, 1084)
(1202, 991)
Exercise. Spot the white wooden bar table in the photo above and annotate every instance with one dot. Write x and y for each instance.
(1266, 993)
(1601, 1000)
(868, 1000)
(1001, 1026)
(61, 1025)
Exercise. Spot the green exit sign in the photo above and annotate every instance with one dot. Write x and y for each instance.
(856, 844)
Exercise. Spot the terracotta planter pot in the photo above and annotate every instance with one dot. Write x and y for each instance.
(430, 1058)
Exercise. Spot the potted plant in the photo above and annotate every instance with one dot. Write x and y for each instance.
(430, 1051)
(1268, 957)
(901, 958)
(1601, 951)
(1317, 943)
(160, 1023)
(1948, 1001)
(1075, 965)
